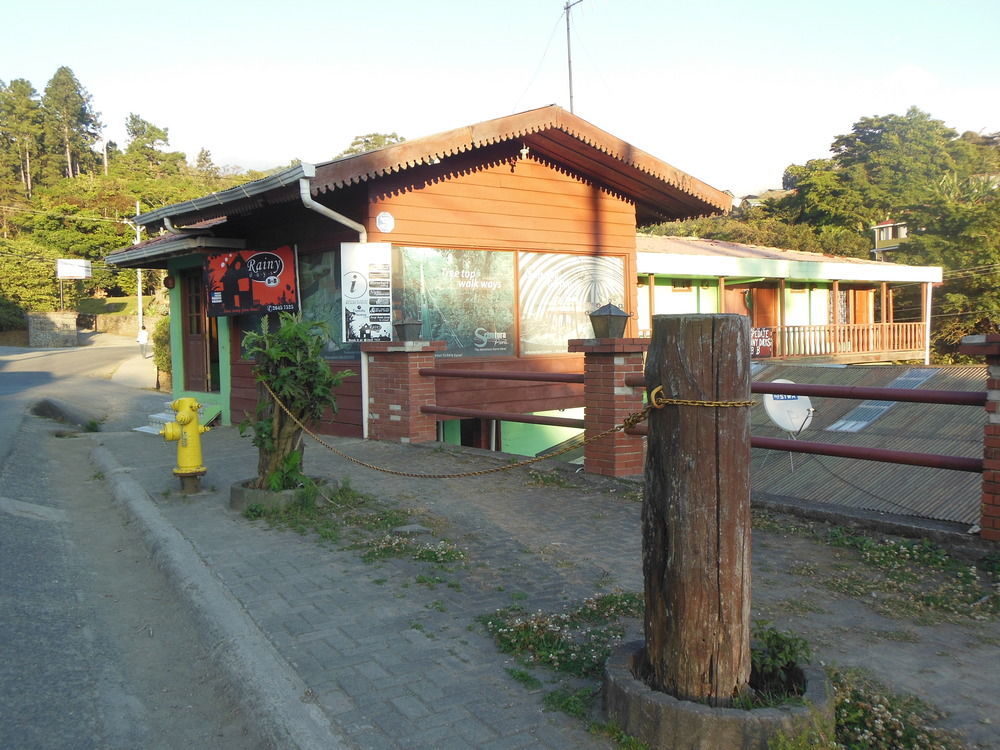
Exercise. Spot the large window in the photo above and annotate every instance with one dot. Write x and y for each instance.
(463, 297)
(472, 299)
(557, 293)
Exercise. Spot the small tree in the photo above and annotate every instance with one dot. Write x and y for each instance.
(289, 361)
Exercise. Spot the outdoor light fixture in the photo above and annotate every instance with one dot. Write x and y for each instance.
(408, 329)
(609, 322)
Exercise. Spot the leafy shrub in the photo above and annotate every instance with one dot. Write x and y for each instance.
(12, 317)
(776, 660)
(289, 361)
(161, 345)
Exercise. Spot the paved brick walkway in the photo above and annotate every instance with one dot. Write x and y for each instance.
(396, 663)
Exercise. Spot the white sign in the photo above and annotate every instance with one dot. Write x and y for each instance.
(366, 290)
(385, 222)
(73, 268)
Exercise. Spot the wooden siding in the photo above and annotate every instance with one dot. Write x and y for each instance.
(504, 206)
(488, 200)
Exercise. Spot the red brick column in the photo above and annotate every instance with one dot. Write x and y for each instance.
(607, 401)
(396, 390)
(988, 347)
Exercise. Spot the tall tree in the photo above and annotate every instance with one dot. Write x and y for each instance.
(21, 128)
(71, 119)
(370, 142)
(902, 155)
(957, 226)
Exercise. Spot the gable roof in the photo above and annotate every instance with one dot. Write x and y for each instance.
(553, 135)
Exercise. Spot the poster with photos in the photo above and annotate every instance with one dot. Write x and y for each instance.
(366, 290)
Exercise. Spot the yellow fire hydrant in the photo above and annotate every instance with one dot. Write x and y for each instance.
(186, 431)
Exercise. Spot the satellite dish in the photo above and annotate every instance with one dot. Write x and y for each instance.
(790, 413)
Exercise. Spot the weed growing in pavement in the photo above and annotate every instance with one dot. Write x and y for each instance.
(393, 545)
(430, 582)
(547, 479)
(869, 716)
(576, 641)
(899, 577)
(525, 678)
(92, 425)
(326, 510)
(575, 703)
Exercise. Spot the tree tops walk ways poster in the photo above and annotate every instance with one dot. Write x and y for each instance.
(463, 297)
(249, 281)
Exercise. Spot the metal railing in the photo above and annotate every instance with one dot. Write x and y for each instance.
(933, 460)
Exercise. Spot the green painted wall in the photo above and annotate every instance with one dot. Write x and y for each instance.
(530, 439)
(523, 439)
(213, 402)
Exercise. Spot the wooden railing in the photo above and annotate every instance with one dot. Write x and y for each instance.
(853, 338)
(831, 340)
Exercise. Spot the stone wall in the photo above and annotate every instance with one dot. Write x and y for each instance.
(55, 329)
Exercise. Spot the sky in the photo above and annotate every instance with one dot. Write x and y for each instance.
(731, 92)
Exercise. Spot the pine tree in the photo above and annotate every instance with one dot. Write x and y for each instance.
(21, 129)
(71, 120)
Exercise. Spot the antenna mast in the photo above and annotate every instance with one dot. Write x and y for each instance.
(569, 56)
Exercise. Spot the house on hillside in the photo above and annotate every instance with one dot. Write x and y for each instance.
(889, 235)
(805, 307)
(498, 237)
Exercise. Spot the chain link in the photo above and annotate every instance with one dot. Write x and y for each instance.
(656, 401)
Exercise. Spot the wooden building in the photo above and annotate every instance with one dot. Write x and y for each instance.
(806, 307)
(499, 238)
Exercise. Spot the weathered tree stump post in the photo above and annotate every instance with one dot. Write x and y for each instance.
(696, 510)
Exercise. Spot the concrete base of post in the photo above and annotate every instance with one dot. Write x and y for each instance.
(190, 484)
(666, 723)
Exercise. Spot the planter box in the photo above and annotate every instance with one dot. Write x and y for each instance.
(242, 497)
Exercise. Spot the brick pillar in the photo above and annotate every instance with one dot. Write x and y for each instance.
(988, 347)
(396, 390)
(607, 401)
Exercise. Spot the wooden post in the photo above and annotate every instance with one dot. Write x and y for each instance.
(696, 510)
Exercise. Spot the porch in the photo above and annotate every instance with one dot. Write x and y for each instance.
(847, 343)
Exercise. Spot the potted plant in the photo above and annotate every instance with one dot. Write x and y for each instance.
(289, 360)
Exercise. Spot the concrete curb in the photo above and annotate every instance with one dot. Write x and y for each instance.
(270, 692)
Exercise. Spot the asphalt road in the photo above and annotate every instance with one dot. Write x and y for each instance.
(96, 650)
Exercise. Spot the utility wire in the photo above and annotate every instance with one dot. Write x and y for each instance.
(538, 68)
(56, 215)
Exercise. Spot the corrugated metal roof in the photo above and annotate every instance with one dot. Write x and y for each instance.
(656, 254)
(698, 246)
(869, 485)
(860, 417)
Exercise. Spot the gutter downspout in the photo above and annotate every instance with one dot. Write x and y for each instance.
(305, 193)
(169, 226)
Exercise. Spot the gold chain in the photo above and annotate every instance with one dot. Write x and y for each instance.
(656, 401)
